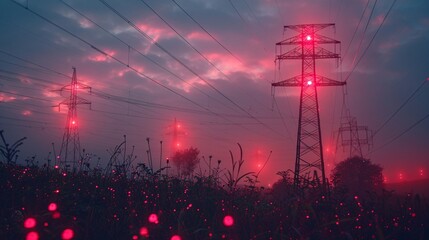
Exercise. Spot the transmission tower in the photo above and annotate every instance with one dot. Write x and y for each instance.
(70, 153)
(307, 48)
(176, 131)
(353, 136)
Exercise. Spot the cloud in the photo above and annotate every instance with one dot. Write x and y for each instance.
(4, 97)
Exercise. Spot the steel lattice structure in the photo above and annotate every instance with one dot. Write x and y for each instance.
(70, 152)
(354, 136)
(309, 151)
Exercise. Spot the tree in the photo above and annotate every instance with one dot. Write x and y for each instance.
(358, 176)
(186, 160)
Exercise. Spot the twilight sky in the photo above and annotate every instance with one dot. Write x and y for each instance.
(210, 65)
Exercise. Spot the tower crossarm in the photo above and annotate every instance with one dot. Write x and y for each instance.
(299, 39)
(298, 54)
(77, 86)
(315, 27)
(297, 81)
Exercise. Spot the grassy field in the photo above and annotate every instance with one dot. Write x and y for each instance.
(42, 203)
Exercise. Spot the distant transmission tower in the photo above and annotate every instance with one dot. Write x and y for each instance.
(176, 130)
(70, 153)
(309, 151)
(353, 136)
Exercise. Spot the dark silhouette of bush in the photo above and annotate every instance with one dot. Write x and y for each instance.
(357, 176)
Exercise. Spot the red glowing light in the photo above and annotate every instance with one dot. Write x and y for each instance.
(73, 122)
(176, 237)
(228, 221)
(56, 215)
(144, 232)
(30, 223)
(153, 218)
(67, 234)
(52, 207)
(308, 38)
(309, 82)
(32, 236)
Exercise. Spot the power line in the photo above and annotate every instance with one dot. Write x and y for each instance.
(238, 13)
(364, 32)
(402, 133)
(184, 39)
(31, 62)
(205, 30)
(356, 29)
(107, 96)
(371, 41)
(136, 50)
(180, 62)
(112, 57)
(400, 107)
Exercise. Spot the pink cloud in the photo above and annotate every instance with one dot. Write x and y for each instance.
(98, 57)
(198, 36)
(26, 113)
(228, 64)
(6, 98)
(155, 33)
(84, 23)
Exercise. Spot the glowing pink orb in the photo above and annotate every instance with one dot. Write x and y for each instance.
(228, 221)
(153, 218)
(52, 207)
(308, 37)
(67, 234)
(309, 82)
(32, 236)
(56, 215)
(176, 237)
(30, 223)
(144, 232)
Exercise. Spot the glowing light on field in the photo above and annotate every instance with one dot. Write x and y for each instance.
(52, 207)
(32, 236)
(30, 223)
(228, 221)
(67, 234)
(309, 82)
(153, 218)
(176, 237)
(56, 215)
(308, 38)
(144, 232)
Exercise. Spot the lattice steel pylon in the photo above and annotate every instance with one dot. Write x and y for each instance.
(353, 135)
(309, 151)
(70, 153)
